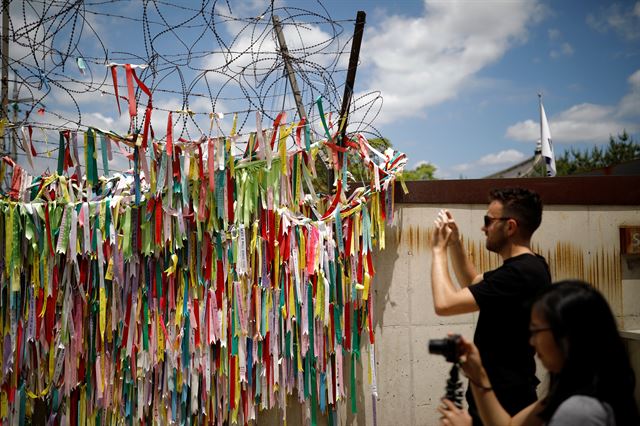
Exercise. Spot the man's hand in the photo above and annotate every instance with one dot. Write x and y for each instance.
(452, 415)
(445, 218)
(440, 237)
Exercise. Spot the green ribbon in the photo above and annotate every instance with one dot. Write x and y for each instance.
(61, 153)
(307, 136)
(354, 407)
(126, 231)
(90, 157)
(321, 113)
(105, 158)
(145, 323)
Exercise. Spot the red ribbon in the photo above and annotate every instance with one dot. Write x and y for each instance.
(211, 163)
(301, 125)
(372, 338)
(130, 93)
(33, 150)
(18, 362)
(125, 331)
(335, 147)
(147, 115)
(335, 201)
(276, 124)
(219, 282)
(372, 272)
(169, 135)
(158, 220)
(114, 76)
(196, 313)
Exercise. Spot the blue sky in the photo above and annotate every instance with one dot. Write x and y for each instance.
(458, 79)
(583, 56)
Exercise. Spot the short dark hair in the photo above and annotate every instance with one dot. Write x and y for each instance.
(521, 204)
(596, 363)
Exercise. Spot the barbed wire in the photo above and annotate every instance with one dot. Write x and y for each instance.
(215, 56)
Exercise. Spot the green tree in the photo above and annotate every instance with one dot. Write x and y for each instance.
(424, 171)
(357, 171)
(356, 166)
(616, 152)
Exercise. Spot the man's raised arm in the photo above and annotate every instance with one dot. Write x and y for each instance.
(464, 269)
(447, 299)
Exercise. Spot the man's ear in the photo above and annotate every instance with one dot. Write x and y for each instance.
(512, 227)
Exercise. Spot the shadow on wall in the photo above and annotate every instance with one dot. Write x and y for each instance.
(384, 261)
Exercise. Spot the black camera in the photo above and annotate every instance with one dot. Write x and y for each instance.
(449, 347)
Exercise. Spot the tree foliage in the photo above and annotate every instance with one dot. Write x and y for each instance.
(619, 150)
(356, 167)
(424, 171)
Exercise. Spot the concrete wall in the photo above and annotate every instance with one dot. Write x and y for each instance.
(579, 236)
(578, 242)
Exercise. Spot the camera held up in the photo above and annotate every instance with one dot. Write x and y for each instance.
(449, 347)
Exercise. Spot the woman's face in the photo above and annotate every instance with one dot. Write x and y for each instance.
(544, 343)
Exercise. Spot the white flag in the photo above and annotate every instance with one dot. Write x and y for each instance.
(547, 145)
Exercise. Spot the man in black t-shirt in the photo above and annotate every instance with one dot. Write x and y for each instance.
(501, 295)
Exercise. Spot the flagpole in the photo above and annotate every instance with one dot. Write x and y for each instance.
(546, 145)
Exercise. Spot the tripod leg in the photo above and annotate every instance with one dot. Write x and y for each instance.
(454, 386)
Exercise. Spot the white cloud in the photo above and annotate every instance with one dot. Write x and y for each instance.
(565, 49)
(421, 61)
(560, 47)
(462, 167)
(506, 157)
(107, 120)
(587, 122)
(625, 21)
(256, 54)
(502, 157)
(422, 163)
(630, 104)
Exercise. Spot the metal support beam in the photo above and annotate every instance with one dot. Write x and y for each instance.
(354, 57)
(5, 64)
(14, 132)
(284, 51)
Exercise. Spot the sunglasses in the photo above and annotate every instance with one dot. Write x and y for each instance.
(488, 220)
(535, 330)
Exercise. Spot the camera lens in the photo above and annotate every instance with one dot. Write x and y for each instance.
(448, 347)
(438, 346)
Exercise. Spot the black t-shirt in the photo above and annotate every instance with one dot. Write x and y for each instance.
(502, 333)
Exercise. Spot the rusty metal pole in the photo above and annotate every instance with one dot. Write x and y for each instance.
(5, 64)
(354, 57)
(284, 51)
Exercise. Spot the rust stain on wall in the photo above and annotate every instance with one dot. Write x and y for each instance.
(412, 237)
(600, 267)
(415, 238)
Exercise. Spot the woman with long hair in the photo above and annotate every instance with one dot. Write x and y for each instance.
(576, 338)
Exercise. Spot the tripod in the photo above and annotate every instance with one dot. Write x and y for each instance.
(453, 390)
